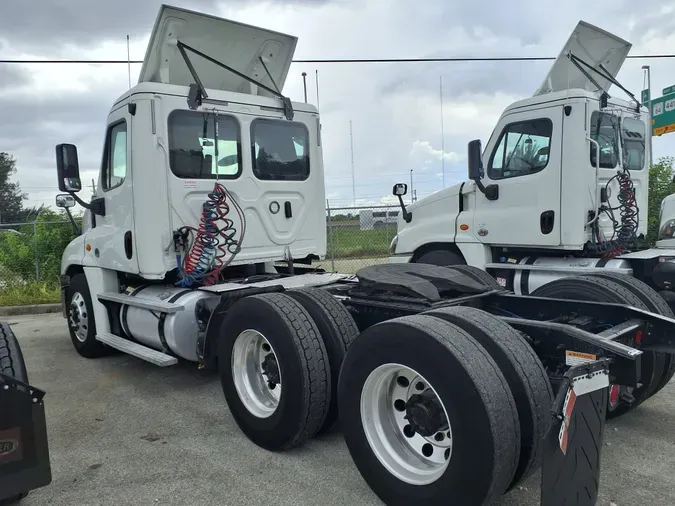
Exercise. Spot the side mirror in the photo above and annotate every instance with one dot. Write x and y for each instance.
(400, 189)
(65, 200)
(475, 160)
(68, 168)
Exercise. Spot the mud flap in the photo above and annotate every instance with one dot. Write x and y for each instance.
(24, 452)
(571, 468)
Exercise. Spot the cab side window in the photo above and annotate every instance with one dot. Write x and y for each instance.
(523, 149)
(115, 161)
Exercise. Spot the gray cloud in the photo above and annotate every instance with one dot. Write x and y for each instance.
(13, 77)
(36, 24)
(392, 106)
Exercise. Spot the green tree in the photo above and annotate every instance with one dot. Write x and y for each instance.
(11, 196)
(660, 186)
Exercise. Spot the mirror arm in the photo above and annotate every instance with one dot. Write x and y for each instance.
(490, 191)
(406, 215)
(76, 229)
(96, 206)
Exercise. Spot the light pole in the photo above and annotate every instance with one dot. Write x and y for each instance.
(649, 106)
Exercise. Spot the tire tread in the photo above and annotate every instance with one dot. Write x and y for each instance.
(316, 371)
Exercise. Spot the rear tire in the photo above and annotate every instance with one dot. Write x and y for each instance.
(274, 370)
(440, 257)
(13, 365)
(524, 372)
(461, 378)
(594, 289)
(81, 322)
(338, 331)
(656, 304)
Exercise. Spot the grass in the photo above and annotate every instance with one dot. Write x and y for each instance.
(36, 292)
(356, 243)
(348, 243)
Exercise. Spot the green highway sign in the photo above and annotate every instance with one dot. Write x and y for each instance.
(669, 90)
(645, 97)
(663, 114)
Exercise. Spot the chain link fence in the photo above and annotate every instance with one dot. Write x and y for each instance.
(31, 252)
(356, 237)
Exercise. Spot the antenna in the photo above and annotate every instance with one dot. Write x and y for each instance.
(129, 61)
(351, 144)
(442, 135)
(317, 88)
(304, 84)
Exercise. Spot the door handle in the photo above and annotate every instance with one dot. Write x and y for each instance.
(546, 222)
(288, 210)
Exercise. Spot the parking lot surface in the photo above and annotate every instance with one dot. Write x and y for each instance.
(122, 431)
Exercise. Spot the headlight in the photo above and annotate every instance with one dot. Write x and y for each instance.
(392, 246)
(668, 230)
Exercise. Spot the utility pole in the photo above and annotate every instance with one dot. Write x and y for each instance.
(351, 144)
(129, 61)
(442, 136)
(411, 186)
(649, 105)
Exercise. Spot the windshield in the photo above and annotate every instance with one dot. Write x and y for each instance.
(605, 130)
(633, 143)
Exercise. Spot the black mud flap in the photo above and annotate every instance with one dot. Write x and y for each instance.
(571, 467)
(24, 453)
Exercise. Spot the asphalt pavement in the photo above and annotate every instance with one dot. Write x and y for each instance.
(122, 431)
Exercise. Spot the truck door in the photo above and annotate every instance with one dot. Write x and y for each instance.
(523, 158)
(112, 238)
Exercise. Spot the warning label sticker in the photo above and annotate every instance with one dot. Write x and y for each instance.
(576, 357)
(190, 183)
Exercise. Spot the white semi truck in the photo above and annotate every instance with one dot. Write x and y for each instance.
(561, 189)
(197, 246)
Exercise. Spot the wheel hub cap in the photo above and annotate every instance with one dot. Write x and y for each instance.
(78, 319)
(406, 424)
(256, 373)
(425, 414)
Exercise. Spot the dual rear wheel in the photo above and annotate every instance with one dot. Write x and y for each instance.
(442, 407)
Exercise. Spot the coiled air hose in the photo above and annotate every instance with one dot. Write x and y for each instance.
(625, 229)
(214, 244)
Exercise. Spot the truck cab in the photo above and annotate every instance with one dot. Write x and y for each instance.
(560, 187)
(205, 136)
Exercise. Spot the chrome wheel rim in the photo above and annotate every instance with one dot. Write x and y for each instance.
(256, 374)
(78, 317)
(414, 447)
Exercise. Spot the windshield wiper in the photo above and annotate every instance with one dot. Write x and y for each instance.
(198, 92)
(602, 72)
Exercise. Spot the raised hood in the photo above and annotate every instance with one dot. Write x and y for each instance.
(596, 47)
(236, 45)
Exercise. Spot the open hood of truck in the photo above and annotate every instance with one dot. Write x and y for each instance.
(236, 45)
(598, 48)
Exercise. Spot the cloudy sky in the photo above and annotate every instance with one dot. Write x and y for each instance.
(394, 107)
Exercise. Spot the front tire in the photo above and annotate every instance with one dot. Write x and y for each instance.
(81, 322)
(460, 442)
(440, 257)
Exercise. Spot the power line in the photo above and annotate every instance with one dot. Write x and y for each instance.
(365, 60)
